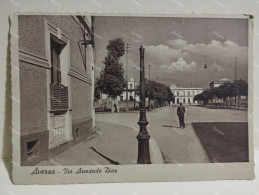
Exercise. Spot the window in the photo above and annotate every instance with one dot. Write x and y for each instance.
(56, 48)
(59, 92)
(131, 86)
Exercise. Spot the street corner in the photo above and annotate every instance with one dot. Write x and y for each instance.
(155, 153)
(118, 142)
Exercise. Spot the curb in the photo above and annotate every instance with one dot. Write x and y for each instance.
(154, 150)
(155, 153)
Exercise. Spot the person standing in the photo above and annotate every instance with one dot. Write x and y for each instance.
(180, 113)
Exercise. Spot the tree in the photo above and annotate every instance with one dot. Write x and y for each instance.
(159, 92)
(111, 80)
(225, 91)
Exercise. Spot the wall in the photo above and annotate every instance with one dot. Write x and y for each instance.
(34, 84)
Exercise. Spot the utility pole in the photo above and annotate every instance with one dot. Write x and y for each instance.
(235, 69)
(149, 88)
(134, 87)
(236, 81)
(127, 49)
(143, 136)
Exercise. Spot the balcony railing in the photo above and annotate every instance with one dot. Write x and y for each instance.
(59, 97)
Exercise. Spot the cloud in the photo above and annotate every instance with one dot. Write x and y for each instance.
(217, 50)
(182, 65)
(222, 53)
(177, 60)
(177, 43)
(163, 51)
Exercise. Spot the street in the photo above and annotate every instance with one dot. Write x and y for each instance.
(211, 135)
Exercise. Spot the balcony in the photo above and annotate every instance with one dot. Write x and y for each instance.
(59, 97)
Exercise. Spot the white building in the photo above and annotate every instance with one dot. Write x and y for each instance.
(132, 86)
(185, 95)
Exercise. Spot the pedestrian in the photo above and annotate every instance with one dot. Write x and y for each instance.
(180, 113)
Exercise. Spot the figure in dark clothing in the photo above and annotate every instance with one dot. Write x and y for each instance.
(180, 113)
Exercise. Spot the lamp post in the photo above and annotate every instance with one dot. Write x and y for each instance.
(143, 136)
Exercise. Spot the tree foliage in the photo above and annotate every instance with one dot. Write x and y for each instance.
(158, 91)
(227, 90)
(111, 80)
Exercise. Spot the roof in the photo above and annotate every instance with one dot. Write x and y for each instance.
(225, 79)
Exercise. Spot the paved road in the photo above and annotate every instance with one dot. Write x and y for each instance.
(112, 144)
(206, 138)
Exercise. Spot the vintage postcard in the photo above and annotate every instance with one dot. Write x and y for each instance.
(131, 98)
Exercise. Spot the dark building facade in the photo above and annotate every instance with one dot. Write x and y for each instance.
(56, 59)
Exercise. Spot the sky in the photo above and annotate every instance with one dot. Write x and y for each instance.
(178, 48)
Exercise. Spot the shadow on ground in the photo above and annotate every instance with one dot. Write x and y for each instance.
(222, 108)
(224, 141)
(107, 158)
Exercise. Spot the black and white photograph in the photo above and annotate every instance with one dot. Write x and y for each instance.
(112, 91)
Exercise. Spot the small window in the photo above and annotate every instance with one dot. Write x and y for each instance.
(33, 148)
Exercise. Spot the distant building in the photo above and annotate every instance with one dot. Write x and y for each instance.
(132, 87)
(215, 84)
(185, 95)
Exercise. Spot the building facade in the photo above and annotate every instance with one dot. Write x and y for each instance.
(185, 95)
(132, 87)
(56, 60)
(215, 84)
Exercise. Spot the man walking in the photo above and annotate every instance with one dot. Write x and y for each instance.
(180, 113)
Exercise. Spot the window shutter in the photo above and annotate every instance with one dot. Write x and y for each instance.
(59, 97)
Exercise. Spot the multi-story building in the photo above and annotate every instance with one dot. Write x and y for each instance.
(215, 84)
(132, 87)
(56, 84)
(185, 95)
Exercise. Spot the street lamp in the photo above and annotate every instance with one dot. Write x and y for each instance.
(143, 136)
(205, 66)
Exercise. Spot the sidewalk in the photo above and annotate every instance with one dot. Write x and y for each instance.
(112, 144)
